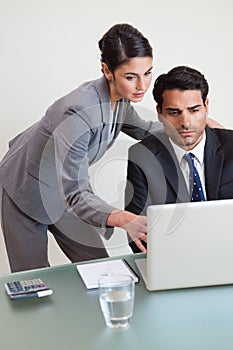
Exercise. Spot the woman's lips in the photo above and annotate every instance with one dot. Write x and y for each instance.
(139, 95)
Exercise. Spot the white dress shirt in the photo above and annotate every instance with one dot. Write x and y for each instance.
(113, 119)
(198, 152)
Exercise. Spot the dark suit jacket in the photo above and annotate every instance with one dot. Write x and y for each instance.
(154, 175)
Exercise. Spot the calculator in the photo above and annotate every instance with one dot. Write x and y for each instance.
(27, 289)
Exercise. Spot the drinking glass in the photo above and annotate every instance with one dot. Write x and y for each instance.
(116, 296)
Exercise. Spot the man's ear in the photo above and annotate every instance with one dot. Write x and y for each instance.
(159, 113)
(106, 71)
(207, 106)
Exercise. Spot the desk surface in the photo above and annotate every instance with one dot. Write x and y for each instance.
(197, 318)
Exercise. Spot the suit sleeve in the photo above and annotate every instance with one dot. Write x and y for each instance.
(137, 127)
(136, 192)
(72, 149)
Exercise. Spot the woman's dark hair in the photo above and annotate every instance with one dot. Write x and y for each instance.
(121, 43)
(180, 78)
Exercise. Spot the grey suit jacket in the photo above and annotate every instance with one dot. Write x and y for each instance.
(154, 175)
(45, 171)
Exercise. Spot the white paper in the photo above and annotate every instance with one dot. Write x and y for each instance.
(91, 272)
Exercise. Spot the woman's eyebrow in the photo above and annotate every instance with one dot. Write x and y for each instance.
(136, 74)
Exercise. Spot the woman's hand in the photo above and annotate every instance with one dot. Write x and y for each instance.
(135, 225)
(136, 228)
(213, 124)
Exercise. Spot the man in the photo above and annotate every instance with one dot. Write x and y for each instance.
(160, 168)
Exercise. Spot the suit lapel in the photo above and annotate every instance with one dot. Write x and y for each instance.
(214, 158)
(167, 158)
(104, 107)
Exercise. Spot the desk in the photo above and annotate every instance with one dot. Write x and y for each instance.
(191, 319)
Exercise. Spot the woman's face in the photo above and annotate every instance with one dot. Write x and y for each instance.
(130, 80)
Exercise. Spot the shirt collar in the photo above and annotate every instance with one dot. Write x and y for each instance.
(198, 151)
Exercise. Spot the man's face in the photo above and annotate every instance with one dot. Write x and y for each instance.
(183, 116)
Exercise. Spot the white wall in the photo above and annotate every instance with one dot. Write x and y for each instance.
(49, 47)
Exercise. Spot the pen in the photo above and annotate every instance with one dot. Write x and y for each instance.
(40, 294)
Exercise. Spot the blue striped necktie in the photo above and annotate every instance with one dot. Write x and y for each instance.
(197, 190)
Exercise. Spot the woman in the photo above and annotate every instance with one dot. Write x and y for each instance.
(44, 175)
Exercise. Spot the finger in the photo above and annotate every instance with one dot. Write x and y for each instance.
(143, 237)
(140, 245)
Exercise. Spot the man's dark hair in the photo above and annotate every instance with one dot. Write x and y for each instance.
(180, 78)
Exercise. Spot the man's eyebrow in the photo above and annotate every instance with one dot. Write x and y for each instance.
(172, 109)
(193, 107)
(178, 109)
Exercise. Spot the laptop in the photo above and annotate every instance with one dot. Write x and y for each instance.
(188, 245)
